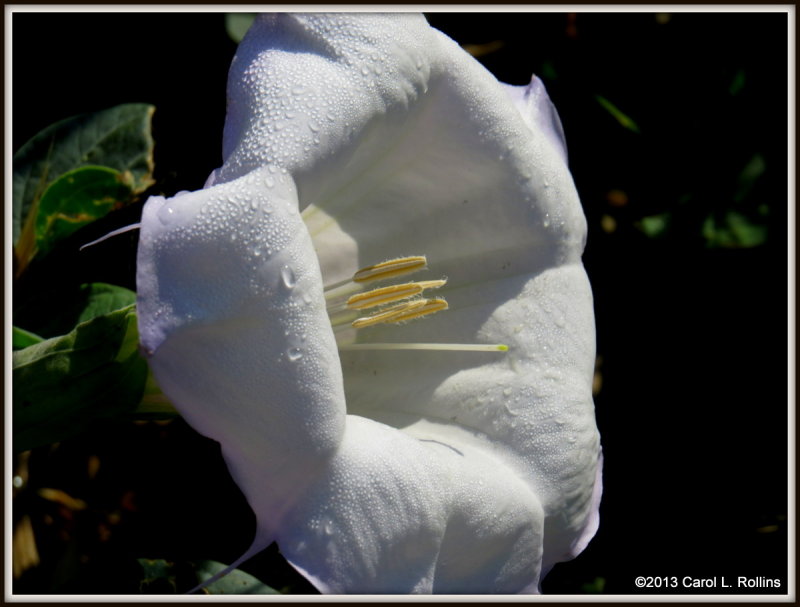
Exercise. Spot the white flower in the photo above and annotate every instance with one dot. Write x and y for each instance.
(351, 140)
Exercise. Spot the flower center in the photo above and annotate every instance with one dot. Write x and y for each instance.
(347, 302)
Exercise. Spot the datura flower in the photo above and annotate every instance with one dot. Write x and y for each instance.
(392, 433)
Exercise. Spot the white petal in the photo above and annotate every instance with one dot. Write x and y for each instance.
(232, 318)
(399, 144)
(399, 515)
(442, 163)
(539, 113)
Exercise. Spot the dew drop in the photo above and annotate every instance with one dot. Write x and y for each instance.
(294, 354)
(288, 277)
(166, 214)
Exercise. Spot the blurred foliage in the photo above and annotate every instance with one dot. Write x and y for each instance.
(76, 171)
(677, 133)
(237, 24)
(64, 384)
(90, 370)
(163, 577)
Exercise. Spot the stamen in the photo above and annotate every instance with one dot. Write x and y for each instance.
(390, 314)
(431, 306)
(385, 295)
(345, 297)
(424, 346)
(432, 284)
(338, 321)
(391, 268)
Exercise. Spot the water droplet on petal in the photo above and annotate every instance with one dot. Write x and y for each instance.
(288, 277)
(166, 214)
(294, 354)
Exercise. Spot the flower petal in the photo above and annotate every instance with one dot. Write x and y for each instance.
(398, 143)
(441, 161)
(400, 515)
(231, 316)
(539, 113)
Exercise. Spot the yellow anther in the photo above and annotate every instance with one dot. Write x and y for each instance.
(432, 284)
(386, 295)
(431, 306)
(390, 314)
(405, 306)
(388, 269)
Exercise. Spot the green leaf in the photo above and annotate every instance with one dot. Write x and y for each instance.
(747, 179)
(20, 338)
(154, 404)
(65, 385)
(158, 577)
(78, 198)
(548, 71)
(118, 138)
(596, 586)
(165, 577)
(235, 582)
(737, 84)
(102, 298)
(624, 120)
(733, 230)
(75, 305)
(655, 226)
(237, 24)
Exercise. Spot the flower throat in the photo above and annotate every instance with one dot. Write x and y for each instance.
(350, 306)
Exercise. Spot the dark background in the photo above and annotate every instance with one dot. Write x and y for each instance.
(692, 336)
